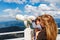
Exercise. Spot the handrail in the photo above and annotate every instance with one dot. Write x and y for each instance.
(14, 32)
(18, 32)
(11, 32)
(15, 39)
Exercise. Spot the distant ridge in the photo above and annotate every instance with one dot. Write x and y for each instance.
(11, 29)
(11, 23)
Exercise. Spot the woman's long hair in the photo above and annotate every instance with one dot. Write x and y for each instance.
(50, 26)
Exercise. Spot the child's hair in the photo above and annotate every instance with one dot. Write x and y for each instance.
(37, 19)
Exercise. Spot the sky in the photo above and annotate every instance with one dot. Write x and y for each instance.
(10, 8)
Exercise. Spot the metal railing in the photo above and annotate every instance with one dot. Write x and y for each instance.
(15, 33)
(11, 32)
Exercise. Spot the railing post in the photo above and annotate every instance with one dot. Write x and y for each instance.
(28, 34)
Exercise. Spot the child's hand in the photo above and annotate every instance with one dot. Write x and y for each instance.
(37, 34)
(32, 38)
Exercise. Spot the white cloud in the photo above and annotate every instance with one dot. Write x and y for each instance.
(12, 12)
(29, 8)
(15, 1)
(35, 1)
(53, 1)
(9, 14)
(48, 1)
(49, 7)
(45, 1)
(6, 18)
(42, 9)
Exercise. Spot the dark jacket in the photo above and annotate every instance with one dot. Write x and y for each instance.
(42, 35)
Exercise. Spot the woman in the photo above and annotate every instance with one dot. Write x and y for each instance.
(49, 28)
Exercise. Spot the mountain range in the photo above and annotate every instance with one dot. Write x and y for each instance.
(10, 26)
